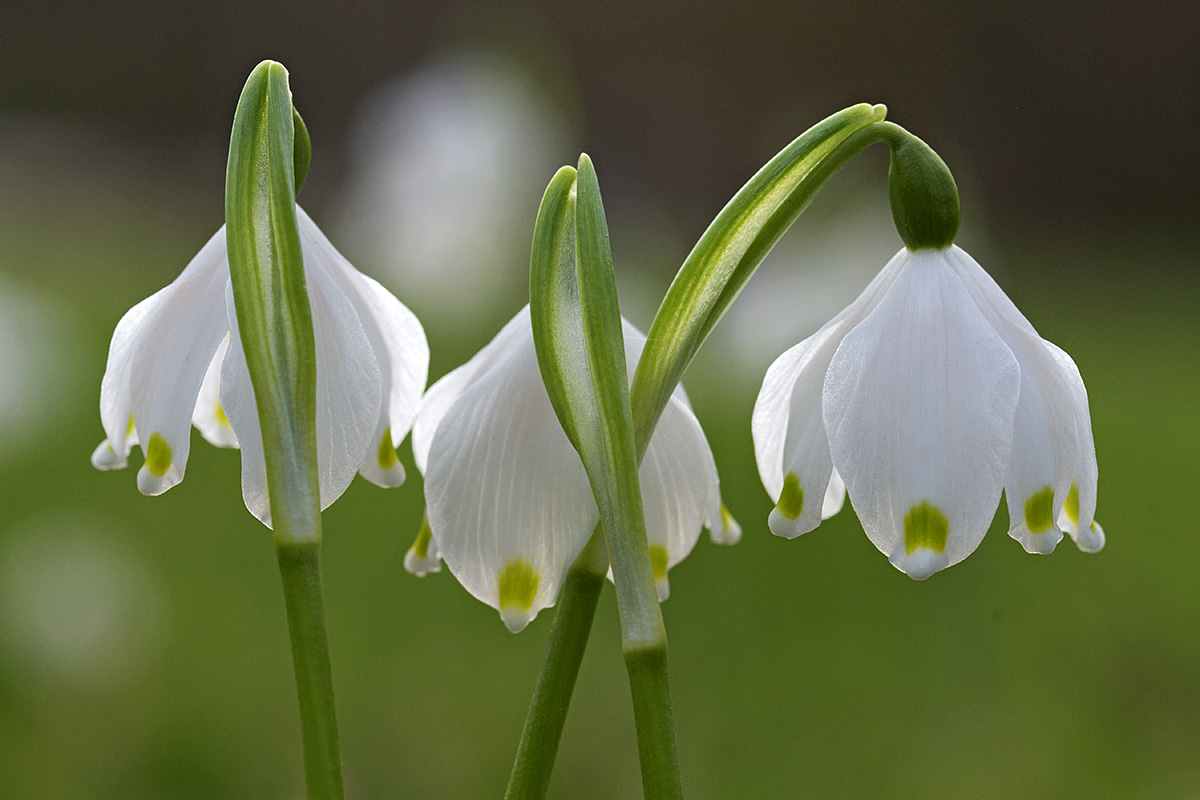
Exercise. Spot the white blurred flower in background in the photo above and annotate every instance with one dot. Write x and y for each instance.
(35, 354)
(78, 605)
(447, 167)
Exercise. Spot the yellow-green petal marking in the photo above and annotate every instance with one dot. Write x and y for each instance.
(659, 558)
(925, 526)
(1039, 511)
(518, 585)
(387, 454)
(791, 499)
(1071, 506)
(158, 456)
(420, 545)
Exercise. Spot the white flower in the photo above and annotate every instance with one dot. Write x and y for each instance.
(176, 358)
(507, 499)
(929, 394)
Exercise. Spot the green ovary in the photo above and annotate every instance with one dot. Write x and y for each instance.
(387, 453)
(791, 499)
(658, 561)
(1039, 511)
(158, 456)
(925, 526)
(518, 585)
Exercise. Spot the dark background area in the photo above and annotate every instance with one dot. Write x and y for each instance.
(1075, 113)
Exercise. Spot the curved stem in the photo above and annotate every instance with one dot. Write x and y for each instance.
(714, 273)
(300, 568)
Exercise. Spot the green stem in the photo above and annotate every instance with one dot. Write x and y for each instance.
(300, 568)
(548, 711)
(655, 723)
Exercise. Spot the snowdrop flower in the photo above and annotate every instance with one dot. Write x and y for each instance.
(176, 358)
(508, 503)
(928, 395)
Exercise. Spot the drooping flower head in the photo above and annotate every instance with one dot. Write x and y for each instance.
(929, 395)
(176, 359)
(508, 503)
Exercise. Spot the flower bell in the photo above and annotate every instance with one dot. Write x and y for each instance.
(176, 358)
(508, 502)
(928, 395)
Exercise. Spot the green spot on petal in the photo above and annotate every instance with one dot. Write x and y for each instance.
(387, 453)
(726, 518)
(158, 456)
(518, 585)
(420, 545)
(791, 499)
(1071, 506)
(219, 413)
(129, 427)
(925, 526)
(658, 561)
(1039, 511)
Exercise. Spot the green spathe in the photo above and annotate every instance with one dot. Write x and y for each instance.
(270, 296)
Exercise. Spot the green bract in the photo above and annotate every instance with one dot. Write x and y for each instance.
(581, 355)
(267, 271)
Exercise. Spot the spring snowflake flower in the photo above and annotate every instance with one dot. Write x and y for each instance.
(508, 503)
(928, 395)
(176, 359)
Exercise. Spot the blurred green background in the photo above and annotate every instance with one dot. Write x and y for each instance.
(143, 650)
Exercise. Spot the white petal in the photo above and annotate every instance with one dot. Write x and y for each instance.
(722, 527)
(397, 340)
(835, 496)
(422, 557)
(1053, 448)
(679, 488)
(506, 495)
(156, 363)
(919, 403)
(445, 392)
(208, 416)
(790, 443)
(348, 395)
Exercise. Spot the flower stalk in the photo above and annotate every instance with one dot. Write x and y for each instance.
(564, 654)
(274, 322)
(711, 277)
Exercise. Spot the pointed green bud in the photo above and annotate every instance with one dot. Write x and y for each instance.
(923, 194)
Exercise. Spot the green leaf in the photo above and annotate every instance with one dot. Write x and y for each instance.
(733, 246)
(270, 297)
